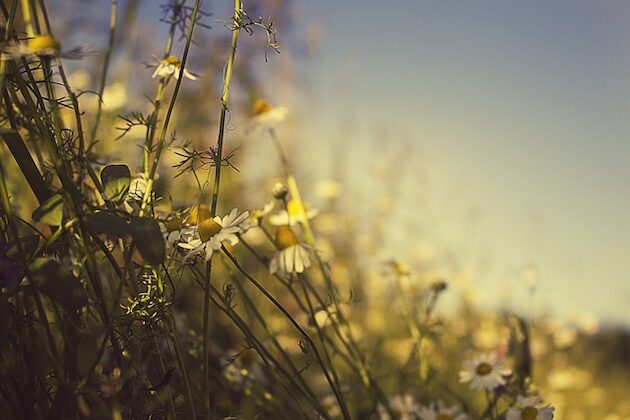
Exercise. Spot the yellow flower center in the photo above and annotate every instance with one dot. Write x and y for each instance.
(171, 60)
(529, 413)
(285, 237)
(444, 416)
(208, 228)
(260, 107)
(198, 214)
(483, 369)
(43, 42)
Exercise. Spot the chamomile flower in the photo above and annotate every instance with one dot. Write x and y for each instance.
(292, 257)
(404, 407)
(43, 46)
(439, 411)
(529, 408)
(256, 216)
(267, 117)
(169, 67)
(292, 215)
(210, 234)
(485, 372)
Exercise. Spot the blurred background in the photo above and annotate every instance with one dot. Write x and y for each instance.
(491, 135)
(480, 144)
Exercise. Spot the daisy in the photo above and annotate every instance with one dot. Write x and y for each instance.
(210, 234)
(256, 216)
(404, 407)
(267, 117)
(485, 372)
(529, 408)
(292, 256)
(293, 215)
(440, 411)
(44, 46)
(169, 67)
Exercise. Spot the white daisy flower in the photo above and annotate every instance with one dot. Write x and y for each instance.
(172, 231)
(440, 411)
(485, 372)
(529, 408)
(267, 117)
(291, 257)
(210, 234)
(256, 216)
(44, 46)
(292, 215)
(169, 67)
(404, 407)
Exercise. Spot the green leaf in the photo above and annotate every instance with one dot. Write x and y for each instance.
(116, 180)
(51, 211)
(57, 282)
(113, 224)
(148, 238)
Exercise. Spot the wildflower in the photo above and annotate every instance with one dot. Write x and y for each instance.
(440, 411)
(267, 117)
(293, 214)
(210, 234)
(328, 189)
(529, 408)
(43, 46)
(256, 216)
(279, 190)
(172, 230)
(171, 66)
(485, 372)
(292, 257)
(403, 407)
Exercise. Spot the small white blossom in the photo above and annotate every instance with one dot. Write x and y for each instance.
(529, 408)
(292, 257)
(169, 67)
(485, 372)
(439, 411)
(210, 234)
(404, 407)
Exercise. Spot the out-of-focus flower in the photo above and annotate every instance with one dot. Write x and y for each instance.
(279, 190)
(404, 407)
(256, 216)
(291, 257)
(210, 234)
(529, 408)
(484, 372)
(292, 215)
(169, 67)
(328, 189)
(114, 96)
(439, 411)
(267, 117)
(43, 46)
(563, 379)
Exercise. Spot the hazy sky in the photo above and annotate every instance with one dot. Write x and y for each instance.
(518, 114)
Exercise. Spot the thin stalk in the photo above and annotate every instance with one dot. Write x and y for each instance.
(108, 53)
